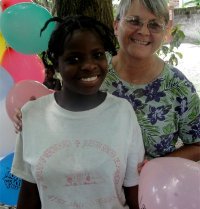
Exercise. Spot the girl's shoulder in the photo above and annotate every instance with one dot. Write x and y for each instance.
(38, 103)
(119, 102)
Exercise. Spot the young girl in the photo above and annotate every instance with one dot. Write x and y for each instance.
(79, 147)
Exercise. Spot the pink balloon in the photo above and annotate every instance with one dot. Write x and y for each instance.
(22, 66)
(170, 183)
(7, 3)
(23, 92)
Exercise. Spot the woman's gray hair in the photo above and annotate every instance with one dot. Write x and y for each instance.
(158, 7)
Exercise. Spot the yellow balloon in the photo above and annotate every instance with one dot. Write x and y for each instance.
(2, 46)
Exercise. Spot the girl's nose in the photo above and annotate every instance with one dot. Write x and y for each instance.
(89, 64)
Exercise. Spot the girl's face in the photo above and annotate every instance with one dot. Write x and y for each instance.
(138, 32)
(83, 64)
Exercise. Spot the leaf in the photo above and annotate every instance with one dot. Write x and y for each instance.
(179, 54)
(168, 129)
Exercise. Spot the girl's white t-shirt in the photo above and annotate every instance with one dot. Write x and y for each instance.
(79, 159)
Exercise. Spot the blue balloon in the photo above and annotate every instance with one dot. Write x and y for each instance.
(21, 25)
(9, 184)
(6, 83)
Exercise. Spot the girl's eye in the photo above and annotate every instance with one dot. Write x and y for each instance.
(72, 60)
(99, 55)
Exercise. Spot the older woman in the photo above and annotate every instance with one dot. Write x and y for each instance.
(165, 101)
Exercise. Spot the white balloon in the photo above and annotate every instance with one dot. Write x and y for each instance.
(7, 132)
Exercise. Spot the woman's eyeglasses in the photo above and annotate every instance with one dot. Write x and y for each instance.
(153, 25)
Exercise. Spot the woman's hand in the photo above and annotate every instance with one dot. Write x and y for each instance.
(17, 118)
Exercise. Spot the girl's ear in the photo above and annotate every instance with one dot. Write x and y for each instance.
(57, 69)
(55, 65)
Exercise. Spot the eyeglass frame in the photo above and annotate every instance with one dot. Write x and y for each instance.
(141, 24)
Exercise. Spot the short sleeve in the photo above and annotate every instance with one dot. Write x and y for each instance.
(135, 154)
(189, 124)
(20, 167)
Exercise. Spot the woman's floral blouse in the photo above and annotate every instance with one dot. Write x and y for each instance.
(167, 109)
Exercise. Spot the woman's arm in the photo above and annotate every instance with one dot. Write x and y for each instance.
(29, 196)
(191, 152)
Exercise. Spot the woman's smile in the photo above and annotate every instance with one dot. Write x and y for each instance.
(140, 42)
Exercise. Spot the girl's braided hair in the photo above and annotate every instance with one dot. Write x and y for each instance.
(64, 31)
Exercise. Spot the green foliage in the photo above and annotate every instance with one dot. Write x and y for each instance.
(169, 51)
(48, 4)
(191, 3)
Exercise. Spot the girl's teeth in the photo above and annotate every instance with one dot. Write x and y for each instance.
(89, 79)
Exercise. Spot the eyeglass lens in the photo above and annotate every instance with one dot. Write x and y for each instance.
(153, 25)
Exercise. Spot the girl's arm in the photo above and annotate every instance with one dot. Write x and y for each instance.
(29, 196)
(131, 195)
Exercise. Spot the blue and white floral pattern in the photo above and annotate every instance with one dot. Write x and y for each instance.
(167, 109)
